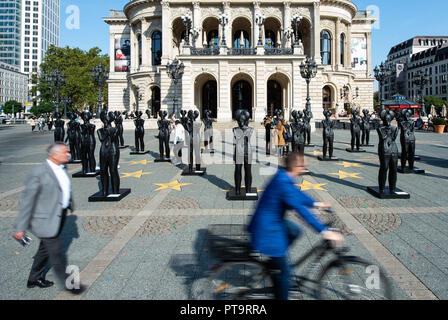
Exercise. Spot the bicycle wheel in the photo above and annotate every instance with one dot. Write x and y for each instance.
(241, 281)
(351, 278)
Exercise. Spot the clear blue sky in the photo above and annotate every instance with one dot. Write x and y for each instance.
(399, 20)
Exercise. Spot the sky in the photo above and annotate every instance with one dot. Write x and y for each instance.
(399, 20)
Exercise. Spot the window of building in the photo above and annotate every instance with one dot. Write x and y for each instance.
(342, 48)
(156, 49)
(325, 47)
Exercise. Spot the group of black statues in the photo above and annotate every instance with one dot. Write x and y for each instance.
(82, 142)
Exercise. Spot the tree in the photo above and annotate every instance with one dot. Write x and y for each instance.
(42, 108)
(76, 64)
(437, 102)
(8, 107)
(376, 99)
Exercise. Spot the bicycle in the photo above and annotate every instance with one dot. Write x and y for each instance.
(243, 274)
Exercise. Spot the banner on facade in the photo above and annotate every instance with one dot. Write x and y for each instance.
(122, 54)
(359, 54)
(400, 69)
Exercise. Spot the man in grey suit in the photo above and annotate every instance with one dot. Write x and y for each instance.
(47, 198)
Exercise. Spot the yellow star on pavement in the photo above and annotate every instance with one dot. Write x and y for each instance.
(343, 175)
(348, 164)
(174, 185)
(136, 174)
(317, 153)
(306, 185)
(140, 162)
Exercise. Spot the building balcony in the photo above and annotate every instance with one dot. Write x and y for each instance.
(242, 51)
(278, 51)
(204, 51)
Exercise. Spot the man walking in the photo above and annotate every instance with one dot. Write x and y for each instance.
(44, 208)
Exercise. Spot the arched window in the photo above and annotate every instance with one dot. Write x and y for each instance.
(269, 39)
(326, 98)
(342, 48)
(213, 39)
(139, 40)
(156, 49)
(325, 47)
(241, 39)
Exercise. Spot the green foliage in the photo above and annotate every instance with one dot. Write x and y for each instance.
(376, 99)
(42, 108)
(76, 64)
(437, 102)
(439, 122)
(8, 106)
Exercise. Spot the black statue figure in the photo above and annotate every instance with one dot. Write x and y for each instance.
(298, 132)
(59, 131)
(243, 153)
(208, 131)
(328, 137)
(88, 144)
(139, 132)
(109, 154)
(365, 128)
(355, 131)
(307, 116)
(193, 134)
(164, 136)
(119, 126)
(407, 140)
(74, 137)
(148, 113)
(387, 152)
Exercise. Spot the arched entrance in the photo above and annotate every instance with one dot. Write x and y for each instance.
(326, 98)
(155, 101)
(210, 98)
(275, 97)
(241, 97)
(206, 94)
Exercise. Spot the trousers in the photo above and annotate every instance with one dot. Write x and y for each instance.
(50, 249)
(279, 266)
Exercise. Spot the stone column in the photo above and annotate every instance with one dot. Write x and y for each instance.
(286, 23)
(337, 37)
(255, 33)
(260, 101)
(369, 54)
(166, 32)
(316, 34)
(112, 53)
(228, 28)
(348, 52)
(224, 92)
(146, 47)
(196, 23)
(134, 49)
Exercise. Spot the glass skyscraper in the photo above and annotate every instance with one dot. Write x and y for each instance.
(10, 31)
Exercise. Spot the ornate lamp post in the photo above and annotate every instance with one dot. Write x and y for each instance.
(381, 74)
(175, 71)
(186, 19)
(194, 35)
(421, 81)
(308, 70)
(56, 80)
(295, 19)
(259, 20)
(99, 75)
(66, 101)
(223, 20)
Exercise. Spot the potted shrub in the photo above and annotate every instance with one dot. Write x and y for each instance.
(439, 125)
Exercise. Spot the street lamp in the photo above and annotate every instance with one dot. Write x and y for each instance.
(421, 81)
(175, 71)
(186, 19)
(56, 80)
(99, 75)
(381, 74)
(296, 18)
(259, 20)
(308, 70)
(66, 101)
(223, 20)
(194, 34)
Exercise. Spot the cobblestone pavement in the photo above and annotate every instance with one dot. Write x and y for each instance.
(151, 245)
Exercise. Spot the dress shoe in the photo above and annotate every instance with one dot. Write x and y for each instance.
(41, 283)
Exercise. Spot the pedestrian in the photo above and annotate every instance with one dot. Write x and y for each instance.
(267, 124)
(287, 136)
(179, 134)
(280, 138)
(47, 199)
(32, 123)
